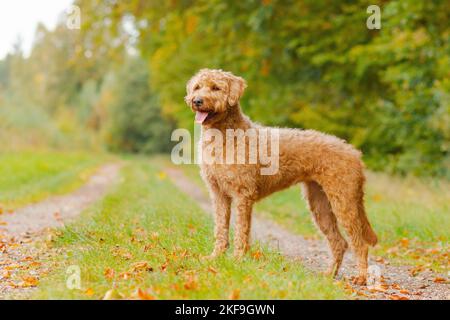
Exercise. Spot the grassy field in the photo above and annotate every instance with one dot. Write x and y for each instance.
(135, 243)
(30, 176)
(139, 243)
(410, 216)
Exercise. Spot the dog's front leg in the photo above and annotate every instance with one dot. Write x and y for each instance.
(222, 208)
(242, 228)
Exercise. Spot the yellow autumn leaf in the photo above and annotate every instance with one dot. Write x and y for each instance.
(234, 295)
(89, 292)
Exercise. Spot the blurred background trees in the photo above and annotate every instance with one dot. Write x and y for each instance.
(135, 121)
(119, 82)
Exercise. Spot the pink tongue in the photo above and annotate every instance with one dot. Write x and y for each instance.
(200, 116)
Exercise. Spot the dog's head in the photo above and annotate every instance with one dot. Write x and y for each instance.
(212, 93)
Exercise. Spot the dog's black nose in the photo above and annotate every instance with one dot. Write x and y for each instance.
(198, 102)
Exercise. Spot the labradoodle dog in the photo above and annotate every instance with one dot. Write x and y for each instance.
(329, 169)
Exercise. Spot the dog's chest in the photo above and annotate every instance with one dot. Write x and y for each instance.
(233, 180)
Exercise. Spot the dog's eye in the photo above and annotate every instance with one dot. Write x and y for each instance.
(196, 87)
(215, 88)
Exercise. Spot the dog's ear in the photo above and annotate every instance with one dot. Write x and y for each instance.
(237, 86)
(190, 84)
(189, 88)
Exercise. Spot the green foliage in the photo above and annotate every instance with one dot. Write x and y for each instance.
(312, 64)
(39, 95)
(136, 123)
(75, 96)
(3, 74)
(309, 64)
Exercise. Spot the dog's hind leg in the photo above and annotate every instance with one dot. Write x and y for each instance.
(326, 222)
(346, 201)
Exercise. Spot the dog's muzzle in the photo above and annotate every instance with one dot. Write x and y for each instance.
(198, 102)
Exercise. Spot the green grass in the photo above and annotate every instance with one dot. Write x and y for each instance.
(411, 216)
(146, 219)
(30, 176)
(397, 210)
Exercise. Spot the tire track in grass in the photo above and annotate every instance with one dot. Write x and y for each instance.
(395, 281)
(20, 259)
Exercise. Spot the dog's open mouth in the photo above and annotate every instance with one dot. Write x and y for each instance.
(201, 116)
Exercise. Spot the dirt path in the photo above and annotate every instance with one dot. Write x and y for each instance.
(20, 268)
(395, 281)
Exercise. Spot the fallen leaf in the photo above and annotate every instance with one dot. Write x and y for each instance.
(29, 281)
(404, 242)
(404, 291)
(257, 255)
(12, 284)
(212, 270)
(127, 256)
(377, 289)
(109, 273)
(147, 247)
(154, 235)
(35, 264)
(184, 253)
(234, 295)
(440, 280)
(141, 266)
(119, 252)
(396, 297)
(175, 287)
(125, 275)
(395, 286)
(416, 270)
(360, 293)
(162, 175)
(144, 295)
(163, 267)
(89, 292)
(190, 284)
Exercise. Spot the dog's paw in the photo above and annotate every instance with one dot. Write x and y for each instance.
(209, 257)
(332, 271)
(215, 254)
(239, 254)
(329, 273)
(360, 280)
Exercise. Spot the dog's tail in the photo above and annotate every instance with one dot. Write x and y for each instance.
(367, 232)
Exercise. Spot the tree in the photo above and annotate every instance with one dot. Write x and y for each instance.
(310, 64)
(135, 120)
